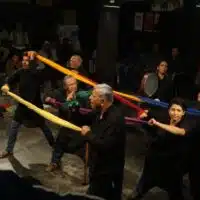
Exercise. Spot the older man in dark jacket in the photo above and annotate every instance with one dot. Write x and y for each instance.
(106, 137)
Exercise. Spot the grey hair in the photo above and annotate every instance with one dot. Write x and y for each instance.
(105, 91)
(67, 77)
(77, 56)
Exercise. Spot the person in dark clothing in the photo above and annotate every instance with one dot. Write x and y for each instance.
(65, 51)
(175, 62)
(71, 100)
(75, 64)
(177, 70)
(29, 79)
(165, 162)
(164, 91)
(193, 161)
(194, 167)
(106, 137)
(13, 64)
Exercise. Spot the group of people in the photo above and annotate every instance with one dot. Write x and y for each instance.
(172, 153)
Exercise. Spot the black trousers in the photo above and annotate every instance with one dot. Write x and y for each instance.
(163, 172)
(194, 177)
(67, 141)
(173, 188)
(107, 186)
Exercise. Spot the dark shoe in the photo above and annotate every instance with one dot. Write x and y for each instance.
(5, 154)
(52, 167)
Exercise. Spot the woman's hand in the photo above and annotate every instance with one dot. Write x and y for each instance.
(152, 122)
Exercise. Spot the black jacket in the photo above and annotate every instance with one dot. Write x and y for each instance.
(29, 81)
(165, 89)
(167, 156)
(107, 141)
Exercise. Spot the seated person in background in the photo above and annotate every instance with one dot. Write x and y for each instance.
(70, 100)
(13, 64)
(65, 50)
(164, 91)
(198, 97)
(75, 64)
(196, 103)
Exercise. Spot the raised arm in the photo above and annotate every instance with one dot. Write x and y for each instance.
(183, 130)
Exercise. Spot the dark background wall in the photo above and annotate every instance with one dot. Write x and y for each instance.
(178, 28)
(170, 27)
(40, 22)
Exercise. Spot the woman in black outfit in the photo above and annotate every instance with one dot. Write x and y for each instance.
(165, 162)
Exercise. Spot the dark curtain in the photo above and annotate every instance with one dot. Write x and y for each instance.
(87, 20)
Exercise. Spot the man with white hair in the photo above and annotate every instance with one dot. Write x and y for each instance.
(106, 137)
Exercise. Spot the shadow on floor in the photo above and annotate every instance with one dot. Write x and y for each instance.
(23, 172)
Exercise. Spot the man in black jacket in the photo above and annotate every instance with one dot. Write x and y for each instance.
(29, 79)
(106, 137)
